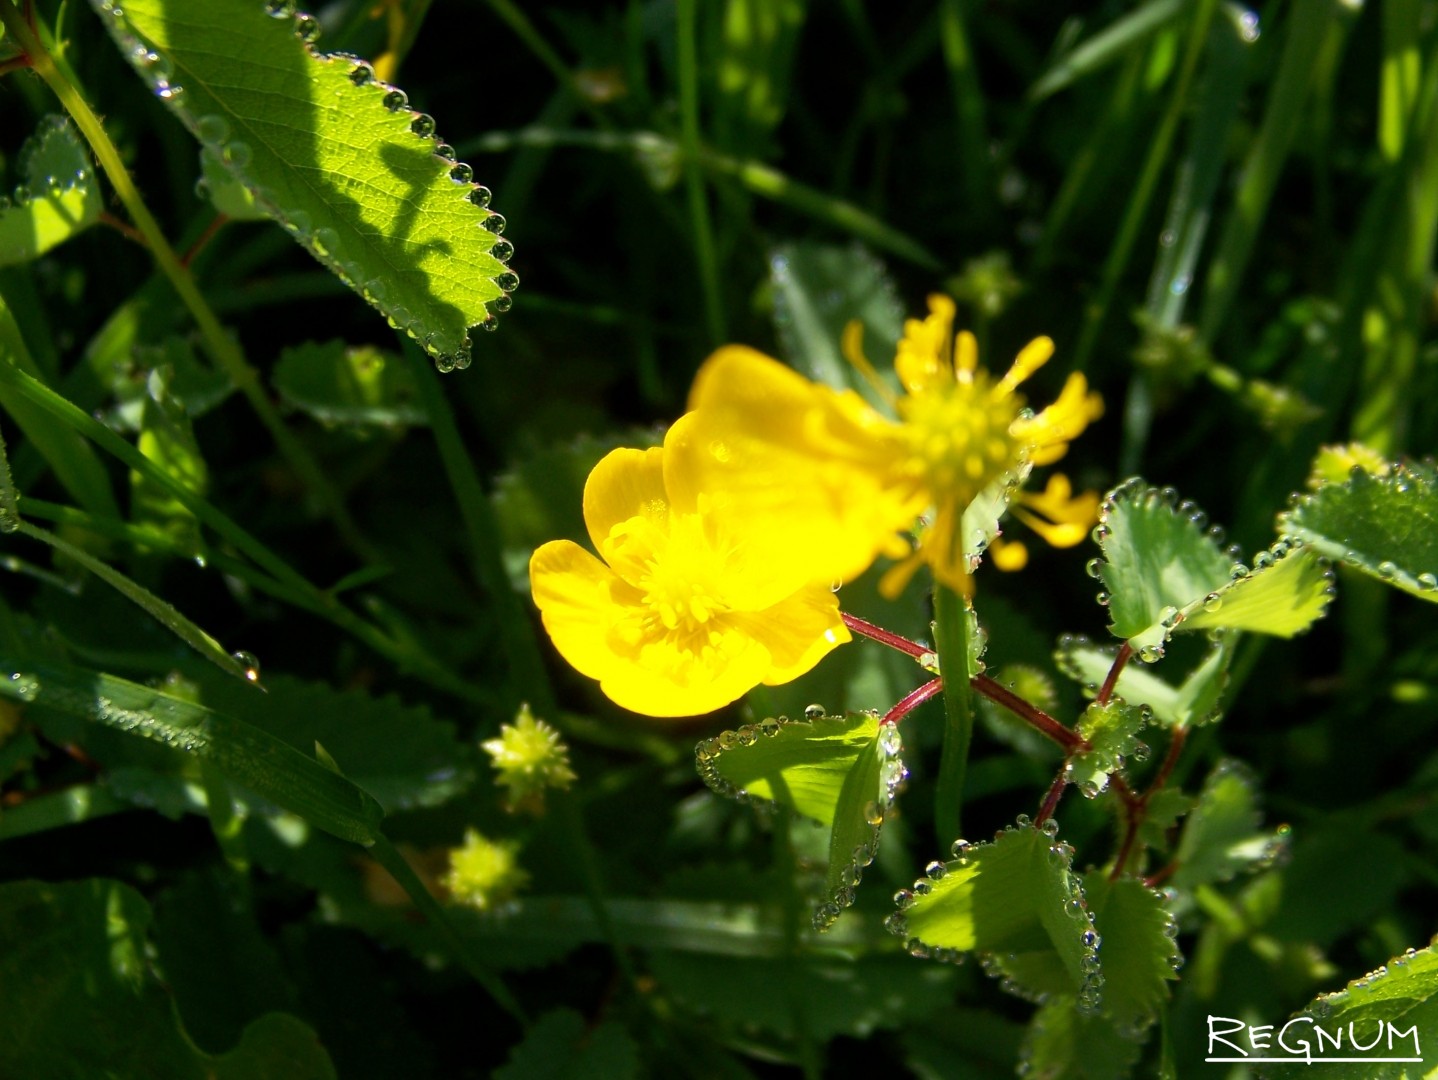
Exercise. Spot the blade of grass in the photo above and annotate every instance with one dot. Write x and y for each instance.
(687, 31)
(161, 611)
(482, 528)
(1138, 202)
(1108, 46)
(1310, 25)
(973, 140)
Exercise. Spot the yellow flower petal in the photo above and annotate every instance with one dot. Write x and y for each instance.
(802, 465)
(1049, 433)
(922, 360)
(583, 604)
(1031, 357)
(1008, 555)
(625, 484)
(798, 632)
(1065, 520)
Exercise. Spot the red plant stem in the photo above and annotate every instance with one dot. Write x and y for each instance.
(1051, 800)
(218, 222)
(1154, 880)
(885, 637)
(1111, 680)
(912, 700)
(1134, 807)
(1070, 740)
(1175, 747)
(129, 232)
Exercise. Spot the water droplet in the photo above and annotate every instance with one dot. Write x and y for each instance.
(873, 813)
(361, 74)
(212, 130)
(325, 240)
(748, 736)
(960, 849)
(461, 173)
(1180, 284)
(1023, 821)
(444, 363)
(508, 281)
(1102, 597)
(813, 712)
(1212, 602)
(235, 154)
(502, 250)
(307, 28)
(280, 9)
(444, 150)
(1387, 570)
(1094, 568)
(896, 924)
(494, 223)
(250, 663)
(1050, 827)
(903, 899)
(1427, 582)
(936, 870)
(481, 196)
(423, 124)
(395, 100)
(21, 194)
(501, 304)
(1090, 939)
(769, 727)
(490, 324)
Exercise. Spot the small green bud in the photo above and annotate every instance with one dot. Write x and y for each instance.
(483, 873)
(529, 757)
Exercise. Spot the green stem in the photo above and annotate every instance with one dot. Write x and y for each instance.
(1143, 191)
(387, 856)
(217, 342)
(482, 527)
(693, 182)
(951, 637)
(593, 884)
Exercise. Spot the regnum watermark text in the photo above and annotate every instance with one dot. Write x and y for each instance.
(1305, 1039)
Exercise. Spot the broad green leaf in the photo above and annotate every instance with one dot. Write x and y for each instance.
(1017, 903)
(1384, 525)
(1112, 732)
(1064, 1041)
(561, 1045)
(841, 771)
(83, 999)
(167, 438)
(242, 753)
(334, 155)
(1288, 588)
(356, 385)
(824, 996)
(57, 197)
(980, 523)
(1397, 1004)
(401, 754)
(1222, 836)
(1138, 951)
(986, 1042)
(1158, 558)
(1195, 701)
(818, 290)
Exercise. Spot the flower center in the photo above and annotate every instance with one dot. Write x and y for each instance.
(679, 571)
(958, 435)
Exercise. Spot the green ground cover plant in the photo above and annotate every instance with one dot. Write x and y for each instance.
(932, 573)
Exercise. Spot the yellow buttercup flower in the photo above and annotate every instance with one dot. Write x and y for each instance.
(691, 606)
(794, 457)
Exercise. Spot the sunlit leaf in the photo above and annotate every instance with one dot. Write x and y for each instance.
(1194, 701)
(840, 771)
(244, 754)
(1384, 525)
(168, 439)
(1112, 732)
(1287, 589)
(1017, 903)
(334, 155)
(57, 197)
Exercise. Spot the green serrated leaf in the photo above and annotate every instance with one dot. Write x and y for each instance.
(244, 754)
(1286, 591)
(1017, 903)
(1383, 525)
(840, 771)
(1398, 1003)
(335, 156)
(1138, 951)
(1195, 701)
(818, 290)
(61, 197)
(1222, 836)
(74, 957)
(340, 384)
(1157, 560)
(1064, 1041)
(1161, 813)
(1112, 732)
(561, 1045)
